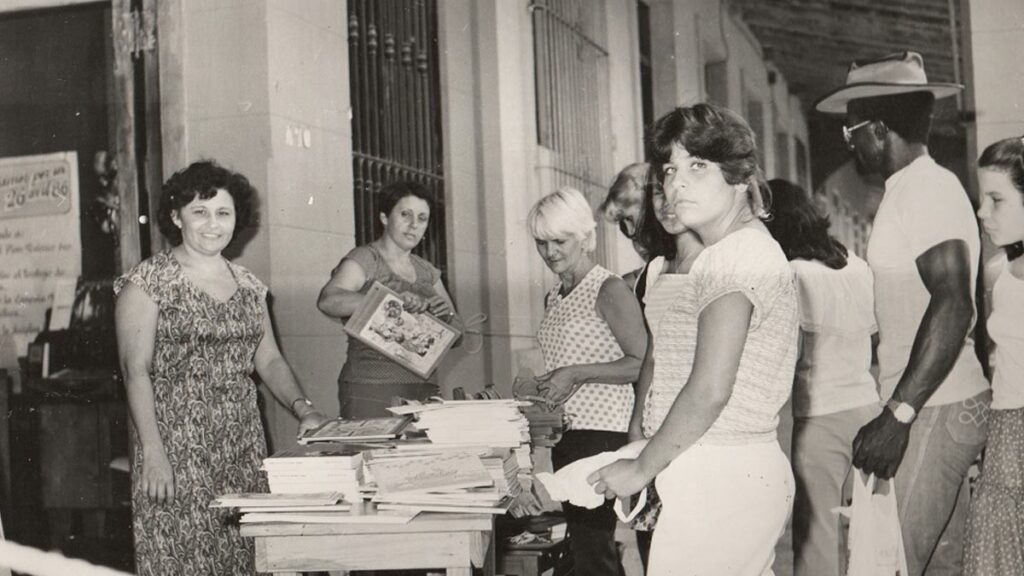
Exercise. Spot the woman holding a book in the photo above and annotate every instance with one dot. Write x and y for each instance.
(369, 379)
(191, 329)
(593, 341)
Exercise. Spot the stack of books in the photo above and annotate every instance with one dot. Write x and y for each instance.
(480, 480)
(482, 422)
(546, 426)
(320, 508)
(318, 467)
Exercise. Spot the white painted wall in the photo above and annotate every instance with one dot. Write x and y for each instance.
(997, 36)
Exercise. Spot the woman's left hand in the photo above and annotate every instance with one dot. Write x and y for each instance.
(311, 420)
(620, 479)
(558, 385)
(440, 307)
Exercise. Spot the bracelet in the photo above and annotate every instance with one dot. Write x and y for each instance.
(302, 399)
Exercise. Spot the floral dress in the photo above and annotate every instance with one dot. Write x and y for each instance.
(207, 417)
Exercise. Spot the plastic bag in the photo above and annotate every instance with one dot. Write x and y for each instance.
(875, 542)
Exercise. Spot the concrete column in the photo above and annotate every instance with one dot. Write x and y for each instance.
(997, 40)
(262, 87)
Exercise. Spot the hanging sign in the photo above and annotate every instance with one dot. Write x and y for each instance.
(40, 242)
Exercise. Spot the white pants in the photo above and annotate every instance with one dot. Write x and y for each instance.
(724, 509)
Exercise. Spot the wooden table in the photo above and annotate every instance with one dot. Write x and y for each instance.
(454, 542)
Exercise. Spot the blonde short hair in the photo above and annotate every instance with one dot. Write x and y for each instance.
(564, 212)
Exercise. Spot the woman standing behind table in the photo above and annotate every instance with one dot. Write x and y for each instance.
(592, 337)
(191, 328)
(369, 380)
(834, 394)
(724, 358)
(996, 522)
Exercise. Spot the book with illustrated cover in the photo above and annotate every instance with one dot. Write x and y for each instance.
(344, 455)
(416, 341)
(340, 430)
(429, 474)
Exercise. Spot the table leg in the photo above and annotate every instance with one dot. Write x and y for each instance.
(490, 561)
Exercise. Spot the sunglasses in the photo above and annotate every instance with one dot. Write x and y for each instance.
(849, 130)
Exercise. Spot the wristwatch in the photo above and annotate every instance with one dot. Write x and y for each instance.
(903, 412)
(302, 399)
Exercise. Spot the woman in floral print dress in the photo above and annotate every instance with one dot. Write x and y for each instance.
(191, 328)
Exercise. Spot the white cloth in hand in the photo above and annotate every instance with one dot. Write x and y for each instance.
(570, 483)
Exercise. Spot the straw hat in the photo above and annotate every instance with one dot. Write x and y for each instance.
(893, 74)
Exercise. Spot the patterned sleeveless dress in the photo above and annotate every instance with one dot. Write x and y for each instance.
(208, 420)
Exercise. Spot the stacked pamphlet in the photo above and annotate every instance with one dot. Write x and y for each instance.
(358, 430)
(318, 467)
(321, 508)
(480, 422)
(440, 479)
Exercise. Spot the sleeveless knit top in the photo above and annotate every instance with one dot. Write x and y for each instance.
(748, 261)
(663, 291)
(573, 333)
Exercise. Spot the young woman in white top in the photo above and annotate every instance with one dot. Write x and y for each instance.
(996, 521)
(724, 357)
(672, 248)
(834, 393)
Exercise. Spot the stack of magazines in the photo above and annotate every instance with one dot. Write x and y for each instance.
(358, 430)
(482, 422)
(317, 467)
(322, 508)
(439, 479)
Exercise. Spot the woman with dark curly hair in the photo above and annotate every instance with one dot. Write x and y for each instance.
(723, 358)
(834, 393)
(191, 328)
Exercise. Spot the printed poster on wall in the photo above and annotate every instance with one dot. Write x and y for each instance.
(40, 242)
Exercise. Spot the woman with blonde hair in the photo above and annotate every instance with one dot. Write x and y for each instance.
(593, 340)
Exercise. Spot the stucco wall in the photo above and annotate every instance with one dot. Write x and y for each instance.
(997, 38)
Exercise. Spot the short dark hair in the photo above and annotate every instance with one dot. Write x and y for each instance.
(718, 135)
(800, 228)
(203, 179)
(1007, 156)
(908, 115)
(650, 236)
(392, 193)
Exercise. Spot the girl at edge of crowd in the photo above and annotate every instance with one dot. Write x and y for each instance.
(993, 545)
(713, 420)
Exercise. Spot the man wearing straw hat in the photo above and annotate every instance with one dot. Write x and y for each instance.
(924, 252)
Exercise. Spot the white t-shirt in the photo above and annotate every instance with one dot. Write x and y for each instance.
(837, 318)
(1006, 328)
(749, 262)
(924, 205)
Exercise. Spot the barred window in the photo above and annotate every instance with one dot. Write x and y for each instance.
(571, 67)
(396, 111)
